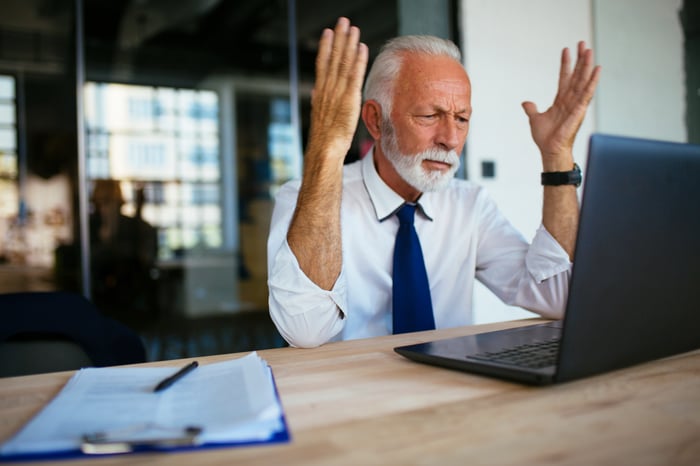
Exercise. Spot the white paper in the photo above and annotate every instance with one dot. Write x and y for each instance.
(232, 401)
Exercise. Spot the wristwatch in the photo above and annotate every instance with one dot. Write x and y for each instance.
(562, 178)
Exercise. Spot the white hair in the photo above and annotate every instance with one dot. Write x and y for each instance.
(385, 69)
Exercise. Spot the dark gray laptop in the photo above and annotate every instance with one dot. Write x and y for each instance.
(634, 293)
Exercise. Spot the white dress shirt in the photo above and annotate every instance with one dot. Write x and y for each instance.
(463, 237)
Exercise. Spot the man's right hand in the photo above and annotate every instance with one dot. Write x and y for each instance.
(314, 234)
(337, 94)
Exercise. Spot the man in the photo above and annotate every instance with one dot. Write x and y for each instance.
(332, 236)
(123, 252)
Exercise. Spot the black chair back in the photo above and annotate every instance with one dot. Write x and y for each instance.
(43, 322)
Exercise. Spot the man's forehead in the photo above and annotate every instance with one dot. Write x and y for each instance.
(440, 94)
(441, 64)
(436, 72)
(448, 86)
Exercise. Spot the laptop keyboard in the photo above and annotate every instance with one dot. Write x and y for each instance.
(533, 355)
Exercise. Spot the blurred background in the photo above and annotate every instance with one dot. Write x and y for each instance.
(142, 141)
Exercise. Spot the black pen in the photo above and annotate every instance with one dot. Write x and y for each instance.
(165, 383)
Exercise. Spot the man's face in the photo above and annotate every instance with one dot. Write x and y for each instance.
(429, 121)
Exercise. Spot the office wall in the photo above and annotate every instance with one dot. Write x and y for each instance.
(512, 51)
(641, 48)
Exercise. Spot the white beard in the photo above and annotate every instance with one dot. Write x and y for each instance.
(410, 166)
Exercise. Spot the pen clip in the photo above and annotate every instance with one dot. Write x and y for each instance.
(103, 443)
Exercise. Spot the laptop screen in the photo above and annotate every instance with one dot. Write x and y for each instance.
(636, 268)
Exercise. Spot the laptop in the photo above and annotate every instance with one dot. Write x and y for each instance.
(633, 295)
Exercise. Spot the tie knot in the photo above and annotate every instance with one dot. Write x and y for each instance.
(406, 214)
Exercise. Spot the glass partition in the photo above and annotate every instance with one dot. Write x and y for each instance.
(194, 114)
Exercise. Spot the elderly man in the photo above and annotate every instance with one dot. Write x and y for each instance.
(331, 252)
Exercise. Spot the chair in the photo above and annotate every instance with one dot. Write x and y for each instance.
(56, 331)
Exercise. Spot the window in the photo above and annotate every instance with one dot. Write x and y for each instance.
(165, 142)
(9, 207)
(8, 128)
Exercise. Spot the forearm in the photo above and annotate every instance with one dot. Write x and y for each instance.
(560, 207)
(560, 212)
(314, 234)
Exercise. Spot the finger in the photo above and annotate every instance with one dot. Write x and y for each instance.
(353, 63)
(349, 54)
(564, 70)
(323, 56)
(583, 69)
(530, 109)
(592, 83)
(360, 65)
(338, 50)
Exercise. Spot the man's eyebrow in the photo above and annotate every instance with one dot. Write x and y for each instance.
(434, 108)
(441, 109)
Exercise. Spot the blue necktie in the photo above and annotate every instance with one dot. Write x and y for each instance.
(412, 307)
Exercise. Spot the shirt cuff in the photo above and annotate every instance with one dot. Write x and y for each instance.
(297, 290)
(546, 258)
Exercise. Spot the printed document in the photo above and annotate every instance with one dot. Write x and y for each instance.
(228, 402)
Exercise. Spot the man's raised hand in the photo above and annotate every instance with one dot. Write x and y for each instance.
(337, 94)
(555, 129)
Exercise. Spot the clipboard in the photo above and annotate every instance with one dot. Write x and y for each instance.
(242, 408)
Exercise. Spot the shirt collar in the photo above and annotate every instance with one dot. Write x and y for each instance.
(384, 200)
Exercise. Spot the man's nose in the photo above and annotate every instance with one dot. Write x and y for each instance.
(448, 135)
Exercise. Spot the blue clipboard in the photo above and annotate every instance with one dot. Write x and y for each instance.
(101, 444)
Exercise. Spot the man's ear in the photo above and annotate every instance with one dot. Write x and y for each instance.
(372, 116)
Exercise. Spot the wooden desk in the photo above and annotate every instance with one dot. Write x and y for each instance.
(359, 403)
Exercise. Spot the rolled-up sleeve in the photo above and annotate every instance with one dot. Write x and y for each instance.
(533, 276)
(545, 257)
(549, 272)
(304, 314)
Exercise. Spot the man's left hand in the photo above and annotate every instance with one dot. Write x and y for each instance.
(555, 129)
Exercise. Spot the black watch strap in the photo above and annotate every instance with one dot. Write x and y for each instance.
(572, 177)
